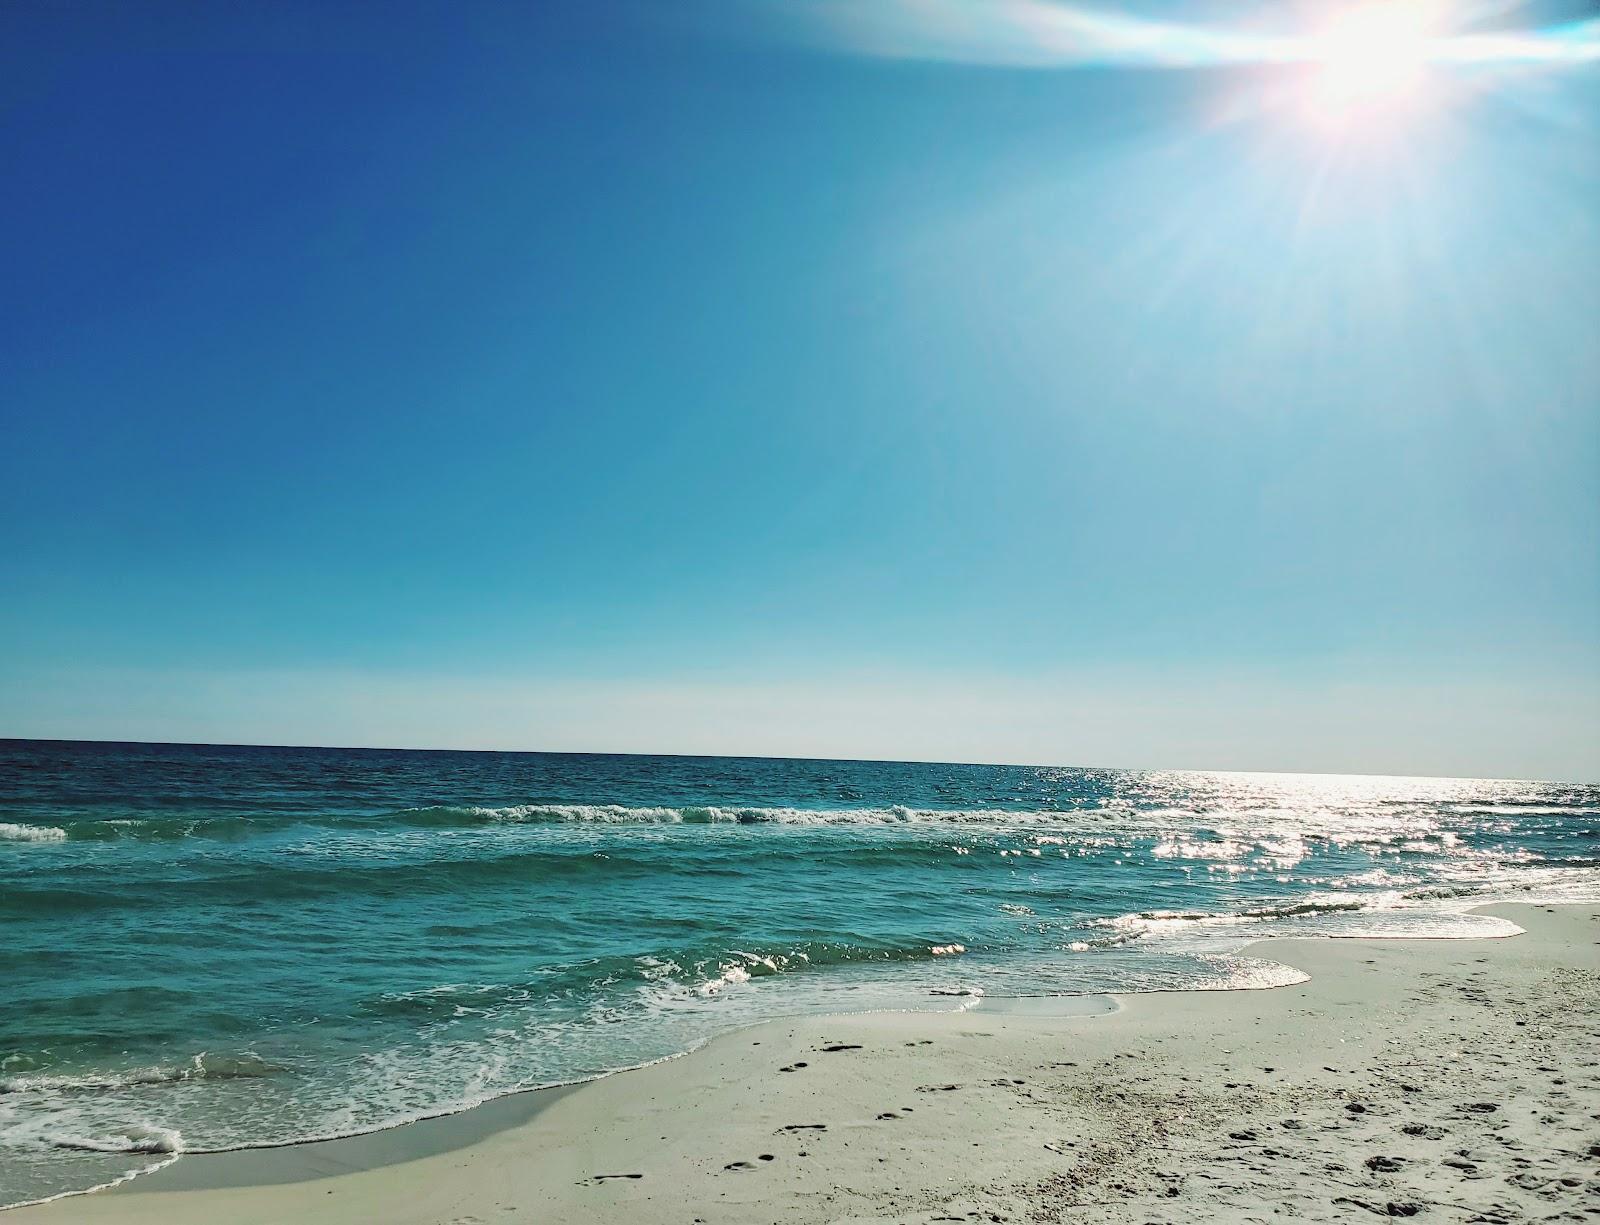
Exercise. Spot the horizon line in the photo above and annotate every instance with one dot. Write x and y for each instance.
(892, 761)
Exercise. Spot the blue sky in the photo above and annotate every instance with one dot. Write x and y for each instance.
(717, 377)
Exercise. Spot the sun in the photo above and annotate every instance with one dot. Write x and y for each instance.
(1371, 59)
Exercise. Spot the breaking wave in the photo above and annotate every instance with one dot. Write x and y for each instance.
(11, 832)
(202, 1067)
(139, 1138)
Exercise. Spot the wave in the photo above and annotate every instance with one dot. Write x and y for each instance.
(1283, 910)
(1180, 832)
(447, 816)
(682, 973)
(10, 832)
(1529, 809)
(447, 866)
(1439, 893)
(321, 879)
(137, 1138)
(1204, 833)
(203, 1066)
(1294, 909)
(712, 814)
(1135, 926)
(125, 1177)
(233, 827)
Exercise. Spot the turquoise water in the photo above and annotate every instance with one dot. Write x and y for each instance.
(206, 948)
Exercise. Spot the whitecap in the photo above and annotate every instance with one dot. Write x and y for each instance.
(135, 1138)
(11, 832)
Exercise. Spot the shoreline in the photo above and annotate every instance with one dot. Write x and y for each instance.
(644, 1143)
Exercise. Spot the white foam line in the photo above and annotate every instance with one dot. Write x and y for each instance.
(12, 832)
(104, 1186)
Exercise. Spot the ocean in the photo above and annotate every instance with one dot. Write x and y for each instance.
(206, 948)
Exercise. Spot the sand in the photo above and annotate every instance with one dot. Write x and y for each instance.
(1447, 1080)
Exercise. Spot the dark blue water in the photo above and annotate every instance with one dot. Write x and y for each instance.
(212, 947)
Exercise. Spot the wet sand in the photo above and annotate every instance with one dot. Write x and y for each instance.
(1446, 1080)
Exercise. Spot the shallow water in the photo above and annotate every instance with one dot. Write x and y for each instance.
(209, 948)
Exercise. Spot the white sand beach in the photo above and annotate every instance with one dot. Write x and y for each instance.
(1454, 1081)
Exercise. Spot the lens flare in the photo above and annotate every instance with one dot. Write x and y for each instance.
(1362, 42)
(1371, 59)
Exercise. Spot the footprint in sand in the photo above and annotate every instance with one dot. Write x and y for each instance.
(1426, 1130)
(1392, 1208)
(795, 1066)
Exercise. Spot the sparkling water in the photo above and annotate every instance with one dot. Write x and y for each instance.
(205, 948)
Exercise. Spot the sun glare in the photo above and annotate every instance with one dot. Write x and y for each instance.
(1371, 59)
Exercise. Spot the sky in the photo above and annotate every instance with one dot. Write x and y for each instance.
(1124, 386)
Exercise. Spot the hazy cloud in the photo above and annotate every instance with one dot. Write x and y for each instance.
(1043, 34)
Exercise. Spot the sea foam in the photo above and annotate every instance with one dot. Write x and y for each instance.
(12, 832)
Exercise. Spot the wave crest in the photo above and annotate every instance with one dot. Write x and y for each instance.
(203, 1066)
(136, 1138)
(12, 832)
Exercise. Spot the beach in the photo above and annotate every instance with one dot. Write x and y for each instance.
(1453, 1080)
(793, 612)
(215, 949)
